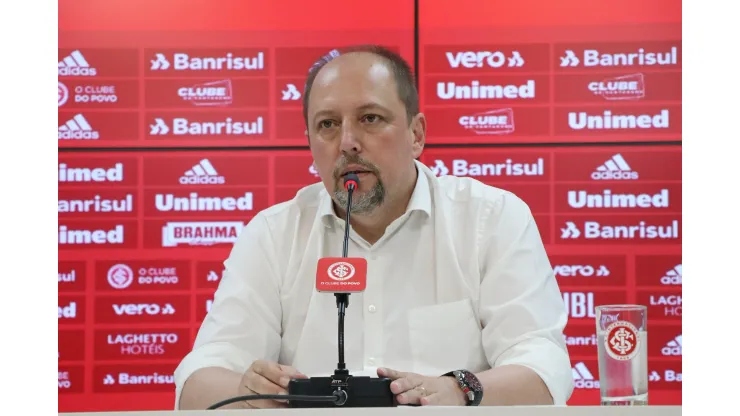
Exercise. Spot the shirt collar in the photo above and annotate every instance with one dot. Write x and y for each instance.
(421, 199)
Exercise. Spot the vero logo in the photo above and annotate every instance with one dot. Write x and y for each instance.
(142, 309)
(132, 309)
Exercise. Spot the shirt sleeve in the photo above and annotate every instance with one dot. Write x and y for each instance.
(521, 307)
(244, 321)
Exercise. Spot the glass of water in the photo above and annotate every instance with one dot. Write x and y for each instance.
(622, 347)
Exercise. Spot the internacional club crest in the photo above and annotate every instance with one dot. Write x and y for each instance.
(622, 341)
(341, 270)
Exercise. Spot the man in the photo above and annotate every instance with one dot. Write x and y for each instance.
(458, 278)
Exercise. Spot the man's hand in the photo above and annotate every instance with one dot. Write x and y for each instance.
(415, 389)
(266, 377)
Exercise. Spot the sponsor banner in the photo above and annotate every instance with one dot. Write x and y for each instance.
(205, 203)
(142, 309)
(71, 309)
(71, 345)
(206, 93)
(298, 61)
(581, 340)
(94, 62)
(618, 120)
(589, 270)
(666, 341)
(134, 378)
(88, 126)
(203, 306)
(81, 234)
(141, 275)
(618, 87)
(142, 344)
(71, 379)
(581, 304)
(618, 198)
(207, 125)
(618, 166)
(189, 62)
(286, 193)
(208, 274)
(490, 167)
(663, 271)
(486, 89)
(619, 229)
(193, 234)
(192, 170)
(72, 276)
(289, 91)
(586, 375)
(489, 123)
(290, 124)
(99, 203)
(90, 93)
(662, 304)
(75, 171)
(296, 170)
(665, 375)
(610, 56)
(487, 58)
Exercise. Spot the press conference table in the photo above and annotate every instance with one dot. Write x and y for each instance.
(425, 411)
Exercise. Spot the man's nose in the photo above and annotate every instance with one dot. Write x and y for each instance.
(350, 142)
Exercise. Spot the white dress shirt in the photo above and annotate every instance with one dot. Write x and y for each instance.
(460, 281)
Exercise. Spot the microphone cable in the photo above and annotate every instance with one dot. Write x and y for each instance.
(336, 398)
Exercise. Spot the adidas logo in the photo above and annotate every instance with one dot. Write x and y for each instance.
(673, 347)
(673, 276)
(75, 65)
(77, 128)
(202, 174)
(616, 168)
(582, 377)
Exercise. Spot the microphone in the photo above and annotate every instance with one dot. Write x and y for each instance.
(343, 276)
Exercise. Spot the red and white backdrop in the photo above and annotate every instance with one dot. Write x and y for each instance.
(178, 121)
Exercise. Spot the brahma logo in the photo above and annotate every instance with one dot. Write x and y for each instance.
(75, 65)
(114, 174)
(196, 203)
(134, 309)
(616, 168)
(69, 237)
(181, 126)
(488, 59)
(200, 233)
(77, 128)
(489, 122)
(202, 173)
(583, 378)
(626, 87)
(594, 58)
(608, 121)
(606, 199)
(476, 91)
(185, 62)
(120, 276)
(461, 167)
(593, 230)
(208, 94)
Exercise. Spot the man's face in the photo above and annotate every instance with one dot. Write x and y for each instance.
(357, 122)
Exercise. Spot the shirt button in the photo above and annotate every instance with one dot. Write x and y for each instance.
(371, 308)
(371, 361)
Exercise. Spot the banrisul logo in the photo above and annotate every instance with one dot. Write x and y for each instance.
(191, 62)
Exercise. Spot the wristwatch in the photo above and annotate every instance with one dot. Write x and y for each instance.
(469, 384)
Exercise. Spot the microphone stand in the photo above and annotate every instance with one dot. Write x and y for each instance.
(341, 373)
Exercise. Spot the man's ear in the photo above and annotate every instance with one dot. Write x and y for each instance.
(419, 134)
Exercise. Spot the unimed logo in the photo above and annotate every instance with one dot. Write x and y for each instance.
(68, 236)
